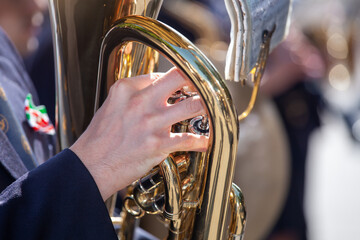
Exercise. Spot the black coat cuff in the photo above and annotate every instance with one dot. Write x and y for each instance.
(57, 200)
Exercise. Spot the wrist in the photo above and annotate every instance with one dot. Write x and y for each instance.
(99, 172)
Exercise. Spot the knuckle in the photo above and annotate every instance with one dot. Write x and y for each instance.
(175, 73)
(136, 102)
(121, 87)
(150, 120)
(112, 89)
(154, 76)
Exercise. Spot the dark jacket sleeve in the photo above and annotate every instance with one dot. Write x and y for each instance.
(57, 200)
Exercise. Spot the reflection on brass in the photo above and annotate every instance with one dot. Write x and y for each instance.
(127, 62)
(78, 29)
(199, 210)
(190, 191)
(257, 72)
(238, 217)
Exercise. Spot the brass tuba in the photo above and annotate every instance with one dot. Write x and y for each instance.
(100, 41)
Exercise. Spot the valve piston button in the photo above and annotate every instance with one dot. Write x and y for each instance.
(199, 125)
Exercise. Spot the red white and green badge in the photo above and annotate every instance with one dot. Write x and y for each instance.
(37, 117)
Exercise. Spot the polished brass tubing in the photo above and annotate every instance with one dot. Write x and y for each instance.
(150, 181)
(152, 202)
(173, 196)
(258, 72)
(182, 162)
(149, 192)
(110, 203)
(125, 228)
(125, 223)
(132, 207)
(78, 28)
(211, 215)
(238, 216)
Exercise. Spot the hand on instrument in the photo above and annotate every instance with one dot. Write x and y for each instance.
(130, 133)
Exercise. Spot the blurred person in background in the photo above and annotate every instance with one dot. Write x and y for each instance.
(21, 20)
(40, 63)
(333, 161)
(289, 78)
(314, 80)
(27, 24)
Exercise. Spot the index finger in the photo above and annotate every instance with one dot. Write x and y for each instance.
(141, 81)
(165, 86)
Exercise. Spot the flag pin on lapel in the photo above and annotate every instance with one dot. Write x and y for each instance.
(37, 117)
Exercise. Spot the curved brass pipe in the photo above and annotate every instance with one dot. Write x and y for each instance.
(258, 72)
(173, 196)
(238, 216)
(211, 215)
